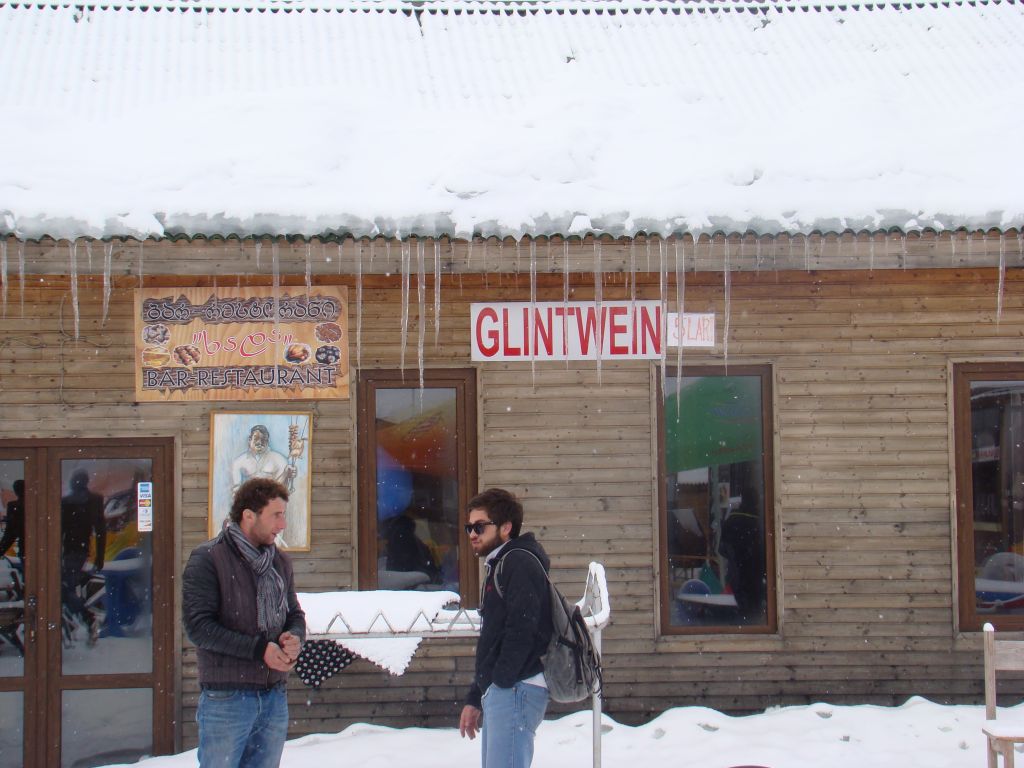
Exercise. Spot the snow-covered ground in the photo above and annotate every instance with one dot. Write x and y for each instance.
(918, 733)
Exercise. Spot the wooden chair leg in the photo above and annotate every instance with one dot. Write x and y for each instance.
(1007, 754)
(993, 761)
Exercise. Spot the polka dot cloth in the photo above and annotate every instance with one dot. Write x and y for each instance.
(321, 660)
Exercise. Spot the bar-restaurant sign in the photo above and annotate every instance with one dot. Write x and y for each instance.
(577, 330)
(256, 343)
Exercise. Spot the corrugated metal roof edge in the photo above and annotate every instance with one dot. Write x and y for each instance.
(338, 237)
(503, 7)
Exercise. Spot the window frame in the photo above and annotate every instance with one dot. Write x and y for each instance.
(766, 375)
(463, 380)
(969, 620)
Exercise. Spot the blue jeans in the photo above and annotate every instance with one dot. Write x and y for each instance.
(511, 718)
(242, 729)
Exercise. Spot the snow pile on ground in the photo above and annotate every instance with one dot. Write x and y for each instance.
(918, 733)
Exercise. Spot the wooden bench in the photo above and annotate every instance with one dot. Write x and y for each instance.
(1000, 655)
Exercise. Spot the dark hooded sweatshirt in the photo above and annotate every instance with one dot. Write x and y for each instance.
(517, 627)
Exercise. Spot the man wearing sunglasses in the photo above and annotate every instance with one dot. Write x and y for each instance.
(507, 700)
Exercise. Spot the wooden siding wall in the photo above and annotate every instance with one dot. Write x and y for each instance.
(863, 506)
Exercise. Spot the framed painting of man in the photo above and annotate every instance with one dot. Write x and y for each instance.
(277, 445)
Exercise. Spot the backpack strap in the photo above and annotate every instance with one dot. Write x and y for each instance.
(501, 561)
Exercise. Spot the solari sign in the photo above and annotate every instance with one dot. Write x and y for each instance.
(581, 330)
(256, 343)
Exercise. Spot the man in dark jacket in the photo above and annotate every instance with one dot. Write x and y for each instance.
(242, 615)
(81, 518)
(508, 697)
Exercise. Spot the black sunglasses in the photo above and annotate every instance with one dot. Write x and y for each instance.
(478, 527)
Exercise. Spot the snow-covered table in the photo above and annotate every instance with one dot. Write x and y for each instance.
(386, 627)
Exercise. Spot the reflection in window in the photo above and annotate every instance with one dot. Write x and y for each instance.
(992, 521)
(415, 453)
(106, 567)
(12, 569)
(417, 499)
(716, 525)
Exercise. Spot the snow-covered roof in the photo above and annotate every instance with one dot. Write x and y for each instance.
(459, 116)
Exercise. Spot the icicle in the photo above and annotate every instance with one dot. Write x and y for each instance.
(647, 249)
(728, 307)
(437, 291)
(1002, 278)
(486, 268)
(839, 249)
(387, 253)
(680, 299)
(21, 275)
(406, 258)
(662, 280)
(598, 290)
(421, 307)
(3, 275)
(275, 258)
(73, 258)
(469, 251)
(142, 259)
(952, 249)
(565, 298)
(341, 253)
(108, 258)
(807, 253)
(275, 266)
(309, 268)
(871, 253)
(970, 248)
(757, 254)
(359, 303)
(632, 271)
(533, 311)
(259, 247)
(903, 251)
(518, 253)
(88, 254)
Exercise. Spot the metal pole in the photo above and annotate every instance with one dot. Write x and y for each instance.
(596, 706)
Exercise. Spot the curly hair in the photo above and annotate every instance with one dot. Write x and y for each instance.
(501, 507)
(255, 494)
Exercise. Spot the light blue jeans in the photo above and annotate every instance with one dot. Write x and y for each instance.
(511, 718)
(242, 729)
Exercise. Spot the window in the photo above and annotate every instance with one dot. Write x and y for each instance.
(715, 524)
(989, 430)
(417, 472)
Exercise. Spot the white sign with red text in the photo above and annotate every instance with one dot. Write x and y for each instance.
(577, 330)
(691, 329)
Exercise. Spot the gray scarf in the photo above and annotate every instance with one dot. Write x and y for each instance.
(271, 601)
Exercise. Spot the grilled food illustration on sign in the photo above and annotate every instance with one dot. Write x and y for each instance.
(187, 354)
(328, 354)
(157, 334)
(297, 354)
(154, 357)
(328, 332)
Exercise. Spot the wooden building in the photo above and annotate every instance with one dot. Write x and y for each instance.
(822, 503)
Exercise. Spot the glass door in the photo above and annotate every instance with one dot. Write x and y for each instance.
(18, 631)
(86, 640)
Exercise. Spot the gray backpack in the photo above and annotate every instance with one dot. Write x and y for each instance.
(572, 665)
